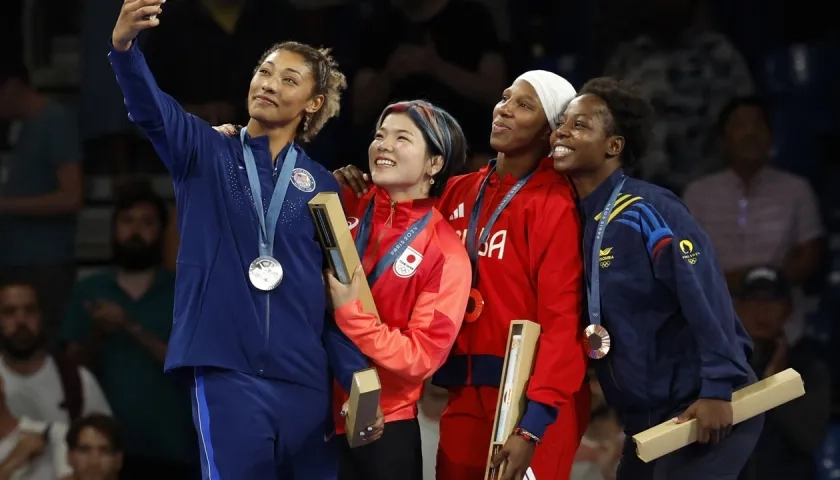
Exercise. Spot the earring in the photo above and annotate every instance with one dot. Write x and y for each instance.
(306, 122)
(431, 181)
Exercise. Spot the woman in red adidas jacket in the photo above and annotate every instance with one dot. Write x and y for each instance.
(419, 274)
(528, 266)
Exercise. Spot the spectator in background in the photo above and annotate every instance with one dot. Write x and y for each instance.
(689, 72)
(118, 323)
(95, 448)
(43, 387)
(31, 450)
(756, 214)
(419, 49)
(40, 193)
(204, 52)
(794, 430)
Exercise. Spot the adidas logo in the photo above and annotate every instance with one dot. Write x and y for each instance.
(458, 213)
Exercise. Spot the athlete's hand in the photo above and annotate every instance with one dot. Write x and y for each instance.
(714, 419)
(518, 453)
(135, 16)
(228, 129)
(352, 177)
(373, 432)
(342, 294)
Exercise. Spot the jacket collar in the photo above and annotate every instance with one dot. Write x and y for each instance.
(543, 174)
(400, 213)
(595, 201)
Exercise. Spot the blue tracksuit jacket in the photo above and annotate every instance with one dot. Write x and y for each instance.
(220, 320)
(664, 300)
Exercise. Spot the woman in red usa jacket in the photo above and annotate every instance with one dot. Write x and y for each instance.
(517, 218)
(419, 274)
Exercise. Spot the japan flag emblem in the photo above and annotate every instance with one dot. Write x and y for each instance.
(407, 264)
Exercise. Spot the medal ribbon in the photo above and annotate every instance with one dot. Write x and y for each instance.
(395, 251)
(268, 221)
(472, 226)
(593, 293)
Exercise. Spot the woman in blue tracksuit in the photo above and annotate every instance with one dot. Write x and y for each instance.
(250, 328)
(662, 332)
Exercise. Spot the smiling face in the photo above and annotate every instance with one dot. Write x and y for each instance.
(399, 157)
(582, 141)
(518, 119)
(281, 89)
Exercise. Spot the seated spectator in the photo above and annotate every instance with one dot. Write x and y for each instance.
(95, 448)
(40, 193)
(756, 214)
(118, 324)
(40, 386)
(31, 450)
(794, 430)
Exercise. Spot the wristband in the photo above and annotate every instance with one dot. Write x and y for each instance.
(530, 437)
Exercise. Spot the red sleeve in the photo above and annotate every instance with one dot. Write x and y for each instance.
(560, 365)
(418, 351)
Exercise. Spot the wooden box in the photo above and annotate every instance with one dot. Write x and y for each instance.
(518, 366)
(337, 241)
(364, 401)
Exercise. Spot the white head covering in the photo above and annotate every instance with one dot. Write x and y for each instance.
(554, 92)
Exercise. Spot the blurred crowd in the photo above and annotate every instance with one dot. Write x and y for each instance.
(746, 107)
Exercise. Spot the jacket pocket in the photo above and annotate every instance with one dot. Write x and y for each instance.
(190, 286)
(685, 383)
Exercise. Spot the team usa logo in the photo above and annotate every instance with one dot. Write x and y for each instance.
(303, 180)
(407, 264)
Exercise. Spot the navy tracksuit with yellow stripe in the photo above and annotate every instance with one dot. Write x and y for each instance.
(675, 335)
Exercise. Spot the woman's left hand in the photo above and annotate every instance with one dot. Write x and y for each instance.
(517, 452)
(342, 294)
(371, 433)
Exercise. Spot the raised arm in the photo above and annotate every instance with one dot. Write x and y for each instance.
(173, 132)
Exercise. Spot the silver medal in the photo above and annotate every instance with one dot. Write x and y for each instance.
(265, 273)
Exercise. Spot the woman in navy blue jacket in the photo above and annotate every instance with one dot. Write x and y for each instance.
(662, 331)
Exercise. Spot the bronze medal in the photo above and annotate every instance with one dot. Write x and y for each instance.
(475, 305)
(597, 341)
